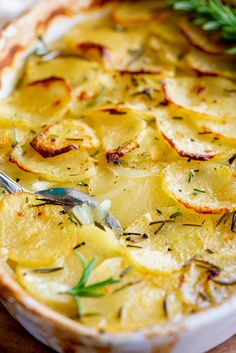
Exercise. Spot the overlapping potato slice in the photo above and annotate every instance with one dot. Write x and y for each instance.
(128, 12)
(35, 235)
(71, 166)
(73, 69)
(213, 96)
(38, 103)
(143, 192)
(126, 50)
(204, 187)
(204, 64)
(65, 136)
(115, 127)
(167, 238)
(201, 39)
(223, 127)
(10, 137)
(132, 302)
(189, 140)
(168, 29)
(49, 284)
(136, 91)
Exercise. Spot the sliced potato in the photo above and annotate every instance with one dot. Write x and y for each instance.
(204, 187)
(128, 12)
(115, 127)
(143, 192)
(201, 39)
(38, 103)
(35, 235)
(64, 136)
(181, 132)
(125, 50)
(168, 29)
(204, 64)
(223, 127)
(50, 287)
(71, 166)
(120, 90)
(132, 303)
(73, 69)
(213, 96)
(173, 235)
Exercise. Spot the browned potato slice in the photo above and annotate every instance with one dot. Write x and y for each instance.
(67, 167)
(116, 126)
(136, 91)
(124, 50)
(128, 12)
(207, 65)
(199, 39)
(180, 130)
(63, 137)
(35, 235)
(204, 187)
(73, 69)
(209, 95)
(224, 127)
(38, 103)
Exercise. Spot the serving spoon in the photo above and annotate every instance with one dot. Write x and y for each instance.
(65, 196)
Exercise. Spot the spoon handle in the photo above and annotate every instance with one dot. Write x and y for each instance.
(9, 184)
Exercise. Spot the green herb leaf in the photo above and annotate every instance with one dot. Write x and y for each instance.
(90, 291)
(211, 15)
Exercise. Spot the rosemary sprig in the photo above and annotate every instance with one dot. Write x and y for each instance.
(211, 15)
(91, 291)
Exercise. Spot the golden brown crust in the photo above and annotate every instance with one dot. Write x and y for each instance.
(17, 38)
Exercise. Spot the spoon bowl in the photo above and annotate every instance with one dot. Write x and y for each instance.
(65, 196)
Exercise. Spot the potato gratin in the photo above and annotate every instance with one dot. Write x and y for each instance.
(134, 110)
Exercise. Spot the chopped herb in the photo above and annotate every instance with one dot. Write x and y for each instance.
(146, 91)
(191, 174)
(204, 296)
(137, 239)
(160, 228)
(158, 211)
(134, 246)
(92, 290)
(126, 271)
(176, 214)
(136, 54)
(95, 154)
(129, 284)
(177, 118)
(79, 245)
(15, 135)
(131, 233)
(100, 226)
(165, 308)
(198, 191)
(119, 314)
(232, 159)
(192, 225)
(233, 225)
(205, 133)
(94, 102)
(209, 251)
(223, 219)
(160, 222)
(46, 270)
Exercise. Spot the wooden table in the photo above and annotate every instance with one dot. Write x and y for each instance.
(14, 339)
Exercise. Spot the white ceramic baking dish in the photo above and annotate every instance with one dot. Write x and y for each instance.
(196, 333)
